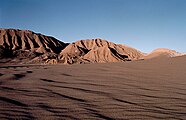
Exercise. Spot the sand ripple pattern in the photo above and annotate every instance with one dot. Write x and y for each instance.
(99, 91)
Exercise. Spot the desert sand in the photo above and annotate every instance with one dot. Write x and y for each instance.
(144, 89)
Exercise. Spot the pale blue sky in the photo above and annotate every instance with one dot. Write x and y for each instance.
(142, 24)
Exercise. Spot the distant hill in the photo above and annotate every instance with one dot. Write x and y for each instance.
(162, 52)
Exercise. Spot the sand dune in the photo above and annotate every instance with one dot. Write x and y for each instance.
(147, 89)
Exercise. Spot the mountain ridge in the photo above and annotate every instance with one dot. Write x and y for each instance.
(26, 46)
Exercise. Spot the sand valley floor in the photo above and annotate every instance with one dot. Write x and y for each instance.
(146, 89)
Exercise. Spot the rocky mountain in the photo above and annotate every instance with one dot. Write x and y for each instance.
(97, 50)
(27, 40)
(27, 46)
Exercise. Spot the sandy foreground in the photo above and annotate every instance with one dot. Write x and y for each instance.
(148, 89)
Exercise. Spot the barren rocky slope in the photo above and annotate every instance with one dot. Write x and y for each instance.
(27, 40)
(97, 50)
(25, 45)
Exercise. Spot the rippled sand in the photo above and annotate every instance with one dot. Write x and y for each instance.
(149, 89)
